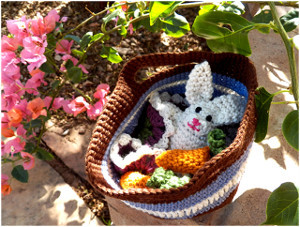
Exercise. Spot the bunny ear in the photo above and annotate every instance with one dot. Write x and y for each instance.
(199, 85)
(229, 109)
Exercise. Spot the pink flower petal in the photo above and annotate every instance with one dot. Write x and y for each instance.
(28, 160)
(64, 47)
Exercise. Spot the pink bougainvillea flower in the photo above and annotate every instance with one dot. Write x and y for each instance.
(9, 44)
(57, 103)
(7, 132)
(74, 60)
(5, 187)
(64, 19)
(16, 87)
(64, 47)
(21, 131)
(19, 28)
(15, 117)
(36, 107)
(33, 52)
(33, 83)
(14, 146)
(50, 20)
(79, 105)
(95, 110)
(9, 101)
(130, 28)
(9, 69)
(101, 91)
(28, 160)
(65, 105)
(22, 106)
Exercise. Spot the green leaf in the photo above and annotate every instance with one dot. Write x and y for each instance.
(112, 16)
(235, 7)
(29, 147)
(146, 23)
(77, 52)
(47, 68)
(44, 155)
(264, 17)
(282, 206)
(75, 74)
(86, 39)
(123, 31)
(263, 102)
(55, 84)
(51, 41)
(175, 25)
(224, 31)
(111, 54)
(207, 8)
(96, 37)
(20, 173)
(236, 43)
(161, 9)
(69, 64)
(290, 129)
(290, 21)
(73, 37)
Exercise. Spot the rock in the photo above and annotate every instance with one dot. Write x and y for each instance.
(109, 68)
(82, 129)
(122, 50)
(124, 44)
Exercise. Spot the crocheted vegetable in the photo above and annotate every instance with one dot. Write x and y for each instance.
(183, 161)
(128, 154)
(162, 178)
(133, 179)
(216, 140)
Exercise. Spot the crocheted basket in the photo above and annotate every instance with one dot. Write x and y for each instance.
(212, 186)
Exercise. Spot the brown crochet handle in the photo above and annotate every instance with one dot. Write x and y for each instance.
(162, 59)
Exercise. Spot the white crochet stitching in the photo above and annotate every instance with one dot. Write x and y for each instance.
(188, 129)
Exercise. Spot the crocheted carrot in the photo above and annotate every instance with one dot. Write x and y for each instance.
(133, 179)
(183, 161)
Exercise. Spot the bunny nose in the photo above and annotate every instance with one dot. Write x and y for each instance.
(194, 124)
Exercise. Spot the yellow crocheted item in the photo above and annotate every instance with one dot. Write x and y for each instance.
(183, 161)
(133, 179)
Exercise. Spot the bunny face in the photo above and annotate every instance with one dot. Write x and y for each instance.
(189, 128)
(198, 118)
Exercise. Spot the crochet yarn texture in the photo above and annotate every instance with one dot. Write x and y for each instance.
(188, 129)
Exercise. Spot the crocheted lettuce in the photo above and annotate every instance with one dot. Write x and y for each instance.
(216, 140)
(166, 179)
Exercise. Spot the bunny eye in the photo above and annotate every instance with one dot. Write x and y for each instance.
(198, 109)
(209, 118)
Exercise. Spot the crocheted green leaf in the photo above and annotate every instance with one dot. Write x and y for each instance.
(216, 140)
(161, 9)
(224, 31)
(290, 129)
(263, 102)
(282, 206)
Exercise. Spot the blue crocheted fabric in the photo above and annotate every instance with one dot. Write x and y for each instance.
(190, 206)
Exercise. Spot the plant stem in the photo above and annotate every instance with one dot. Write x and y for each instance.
(284, 102)
(95, 15)
(290, 52)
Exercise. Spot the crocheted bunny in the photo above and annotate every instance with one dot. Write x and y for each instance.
(188, 129)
